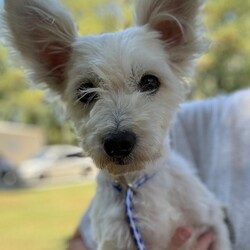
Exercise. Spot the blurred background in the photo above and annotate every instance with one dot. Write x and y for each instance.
(46, 182)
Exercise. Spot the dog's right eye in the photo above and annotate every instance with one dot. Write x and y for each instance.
(86, 93)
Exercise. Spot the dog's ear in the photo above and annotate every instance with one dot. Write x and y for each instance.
(42, 32)
(176, 21)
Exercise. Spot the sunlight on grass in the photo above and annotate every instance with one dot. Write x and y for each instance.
(41, 219)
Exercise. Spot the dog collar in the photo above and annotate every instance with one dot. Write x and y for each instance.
(130, 191)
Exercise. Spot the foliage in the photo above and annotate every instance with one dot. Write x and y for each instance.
(224, 68)
(98, 16)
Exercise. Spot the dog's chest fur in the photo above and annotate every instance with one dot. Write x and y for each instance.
(174, 197)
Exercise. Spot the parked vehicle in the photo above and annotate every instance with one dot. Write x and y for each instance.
(57, 161)
(8, 174)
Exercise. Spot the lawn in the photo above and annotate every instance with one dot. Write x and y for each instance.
(41, 219)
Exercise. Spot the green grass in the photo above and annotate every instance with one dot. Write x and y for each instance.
(41, 219)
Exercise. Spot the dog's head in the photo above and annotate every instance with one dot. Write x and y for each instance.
(120, 89)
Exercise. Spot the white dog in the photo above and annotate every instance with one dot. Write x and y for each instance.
(121, 90)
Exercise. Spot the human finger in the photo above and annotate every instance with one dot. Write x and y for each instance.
(205, 242)
(180, 237)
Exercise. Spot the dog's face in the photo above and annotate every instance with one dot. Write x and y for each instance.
(121, 94)
(120, 89)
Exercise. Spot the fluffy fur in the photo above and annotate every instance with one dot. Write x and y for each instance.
(163, 43)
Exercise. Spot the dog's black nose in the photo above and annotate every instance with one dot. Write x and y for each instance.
(120, 144)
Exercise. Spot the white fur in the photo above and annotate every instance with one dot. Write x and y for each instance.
(163, 43)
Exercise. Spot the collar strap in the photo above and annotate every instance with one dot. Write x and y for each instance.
(131, 220)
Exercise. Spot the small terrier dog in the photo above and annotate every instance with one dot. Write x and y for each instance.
(121, 91)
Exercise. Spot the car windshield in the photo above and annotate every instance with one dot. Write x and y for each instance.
(57, 153)
(78, 154)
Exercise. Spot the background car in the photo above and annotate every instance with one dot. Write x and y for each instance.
(58, 161)
(9, 177)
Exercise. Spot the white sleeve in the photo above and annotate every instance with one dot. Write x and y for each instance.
(214, 136)
(85, 230)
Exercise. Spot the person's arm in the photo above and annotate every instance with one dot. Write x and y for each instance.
(179, 239)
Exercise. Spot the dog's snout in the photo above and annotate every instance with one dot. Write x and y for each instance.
(120, 144)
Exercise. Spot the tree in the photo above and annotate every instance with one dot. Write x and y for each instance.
(226, 66)
(98, 16)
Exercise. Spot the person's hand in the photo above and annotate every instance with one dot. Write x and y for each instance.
(76, 242)
(204, 242)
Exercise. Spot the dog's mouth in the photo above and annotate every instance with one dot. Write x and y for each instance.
(118, 166)
(120, 161)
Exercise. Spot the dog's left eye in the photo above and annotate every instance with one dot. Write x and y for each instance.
(86, 93)
(149, 83)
